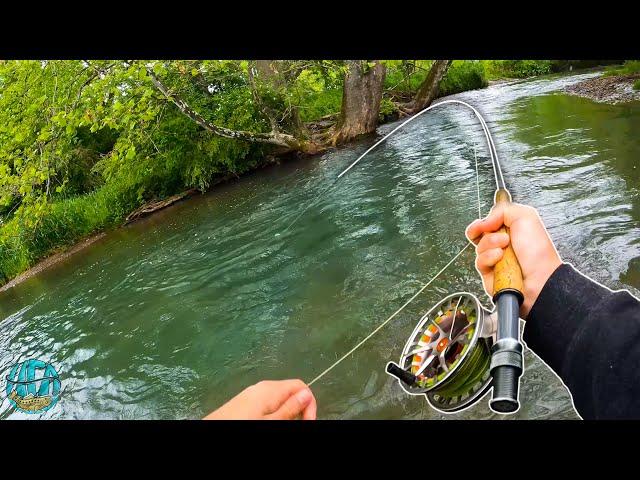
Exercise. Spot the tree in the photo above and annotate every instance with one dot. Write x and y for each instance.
(361, 97)
(276, 138)
(428, 89)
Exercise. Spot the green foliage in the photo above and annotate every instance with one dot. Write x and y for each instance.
(387, 110)
(463, 75)
(636, 85)
(319, 104)
(317, 89)
(572, 65)
(406, 75)
(516, 68)
(64, 222)
(628, 68)
(83, 143)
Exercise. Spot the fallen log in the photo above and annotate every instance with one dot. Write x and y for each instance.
(154, 206)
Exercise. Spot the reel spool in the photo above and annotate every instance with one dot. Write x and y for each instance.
(447, 358)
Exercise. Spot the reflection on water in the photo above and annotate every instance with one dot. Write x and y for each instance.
(169, 317)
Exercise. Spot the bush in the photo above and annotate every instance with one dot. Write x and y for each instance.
(406, 78)
(636, 85)
(463, 75)
(516, 68)
(571, 65)
(629, 67)
(317, 105)
(387, 110)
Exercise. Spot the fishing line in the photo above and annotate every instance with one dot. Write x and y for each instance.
(499, 184)
(497, 171)
(393, 315)
(475, 158)
(415, 295)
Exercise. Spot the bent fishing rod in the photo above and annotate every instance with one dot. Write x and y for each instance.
(459, 350)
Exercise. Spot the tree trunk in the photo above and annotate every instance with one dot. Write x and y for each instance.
(258, 99)
(361, 96)
(428, 89)
(268, 69)
(285, 141)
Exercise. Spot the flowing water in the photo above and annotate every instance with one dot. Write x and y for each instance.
(171, 316)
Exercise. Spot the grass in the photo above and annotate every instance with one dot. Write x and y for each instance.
(65, 222)
(629, 67)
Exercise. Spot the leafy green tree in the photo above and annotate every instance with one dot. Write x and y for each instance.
(85, 142)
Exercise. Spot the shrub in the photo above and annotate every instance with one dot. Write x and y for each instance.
(516, 68)
(463, 75)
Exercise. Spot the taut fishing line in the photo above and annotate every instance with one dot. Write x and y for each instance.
(497, 171)
(499, 181)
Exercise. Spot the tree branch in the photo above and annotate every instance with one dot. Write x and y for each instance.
(277, 139)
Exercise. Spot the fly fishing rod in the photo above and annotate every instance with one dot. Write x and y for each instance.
(459, 350)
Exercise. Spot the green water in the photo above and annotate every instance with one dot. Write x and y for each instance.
(171, 316)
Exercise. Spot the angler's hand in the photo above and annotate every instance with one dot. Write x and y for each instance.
(269, 400)
(536, 253)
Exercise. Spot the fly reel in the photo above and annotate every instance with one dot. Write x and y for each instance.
(447, 358)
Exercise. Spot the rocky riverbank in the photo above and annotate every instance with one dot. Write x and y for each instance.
(613, 89)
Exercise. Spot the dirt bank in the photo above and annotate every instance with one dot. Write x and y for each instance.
(615, 89)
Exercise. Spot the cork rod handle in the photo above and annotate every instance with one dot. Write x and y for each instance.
(507, 274)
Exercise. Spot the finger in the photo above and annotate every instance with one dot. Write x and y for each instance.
(311, 410)
(488, 259)
(294, 406)
(473, 231)
(492, 240)
(490, 223)
(276, 392)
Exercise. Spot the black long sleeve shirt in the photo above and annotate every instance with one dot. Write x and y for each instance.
(590, 336)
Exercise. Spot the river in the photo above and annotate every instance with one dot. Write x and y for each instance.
(170, 316)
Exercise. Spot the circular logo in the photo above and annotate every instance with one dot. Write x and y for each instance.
(33, 386)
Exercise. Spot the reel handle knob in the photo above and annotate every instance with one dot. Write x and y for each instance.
(405, 377)
(506, 356)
